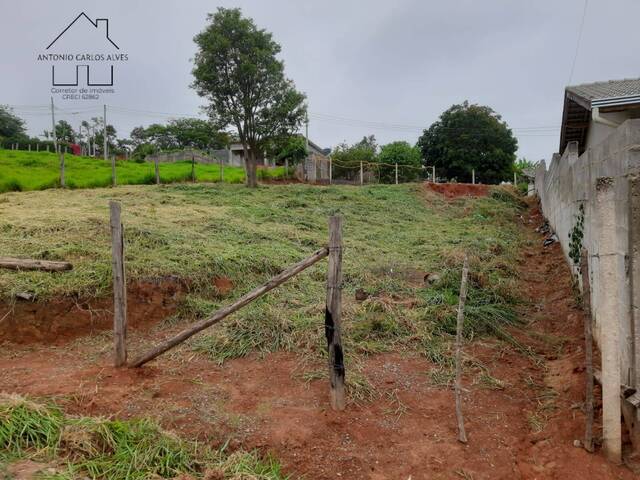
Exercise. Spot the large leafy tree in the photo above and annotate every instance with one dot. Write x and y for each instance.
(407, 158)
(466, 137)
(291, 148)
(347, 158)
(237, 71)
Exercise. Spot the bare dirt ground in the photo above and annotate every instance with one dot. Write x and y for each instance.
(453, 190)
(522, 429)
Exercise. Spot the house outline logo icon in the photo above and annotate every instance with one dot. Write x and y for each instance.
(83, 62)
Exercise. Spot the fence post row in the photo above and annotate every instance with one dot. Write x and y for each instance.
(333, 314)
(119, 286)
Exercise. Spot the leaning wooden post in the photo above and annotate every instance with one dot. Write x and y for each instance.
(62, 180)
(333, 313)
(119, 286)
(588, 351)
(157, 168)
(462, 435)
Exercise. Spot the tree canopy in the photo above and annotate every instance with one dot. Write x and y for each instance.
(11, 126)
(237, 71)
(466, 137)
(407, 158)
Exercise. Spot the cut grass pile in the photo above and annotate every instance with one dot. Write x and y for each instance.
(394, 236)
(80, 447)
(25, 171)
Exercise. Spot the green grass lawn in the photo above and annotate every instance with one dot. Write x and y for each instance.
(24, 171)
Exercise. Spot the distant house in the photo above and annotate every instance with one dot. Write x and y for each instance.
(234, 155)
(592, 111)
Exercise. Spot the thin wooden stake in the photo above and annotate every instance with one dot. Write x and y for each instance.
(62, 179)
(361, 174)
(462, 435)
(119, 286)
(157, 170)
(396, 174)
(193, 168)
(114, 181)
(228, 310)
(333, 314)
(588, 352)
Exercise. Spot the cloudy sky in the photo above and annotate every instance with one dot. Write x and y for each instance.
(387, 68)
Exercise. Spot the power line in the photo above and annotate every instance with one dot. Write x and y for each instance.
(42, 110)
(575, 57)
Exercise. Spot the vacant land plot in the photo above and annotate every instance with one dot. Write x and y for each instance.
(258, 381)
(22, 171)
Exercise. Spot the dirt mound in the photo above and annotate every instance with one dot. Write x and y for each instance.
(455, 190)
(63, 319)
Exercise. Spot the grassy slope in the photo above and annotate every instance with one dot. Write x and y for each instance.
(22, 171)
(197, 232)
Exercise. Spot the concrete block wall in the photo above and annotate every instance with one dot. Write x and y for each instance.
(600, 180)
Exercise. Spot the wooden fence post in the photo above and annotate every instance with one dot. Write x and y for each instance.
(157, 169)
(119, 286)
(396, 174)
(433, 174)
(330, 171)
(286, 168)
(361, 174)
(333, 313)
(62, 179)
(473, 176)
(114, 181)
(193, 168)
(221, 169)
(462, 435)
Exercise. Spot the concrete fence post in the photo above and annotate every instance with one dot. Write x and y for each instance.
(608, 316)
(634, 293)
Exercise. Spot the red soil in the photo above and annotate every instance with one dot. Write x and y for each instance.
(408, 432)
(454, 190)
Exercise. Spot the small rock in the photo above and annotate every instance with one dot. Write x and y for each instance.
(577, 443)
(431, 278)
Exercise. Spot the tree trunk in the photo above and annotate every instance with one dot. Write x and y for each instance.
(252, 180)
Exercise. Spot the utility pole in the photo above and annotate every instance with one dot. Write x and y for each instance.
(306, 131)
(104, 133)
(53, 127)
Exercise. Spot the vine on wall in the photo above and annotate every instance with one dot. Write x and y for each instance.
(576, 235)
